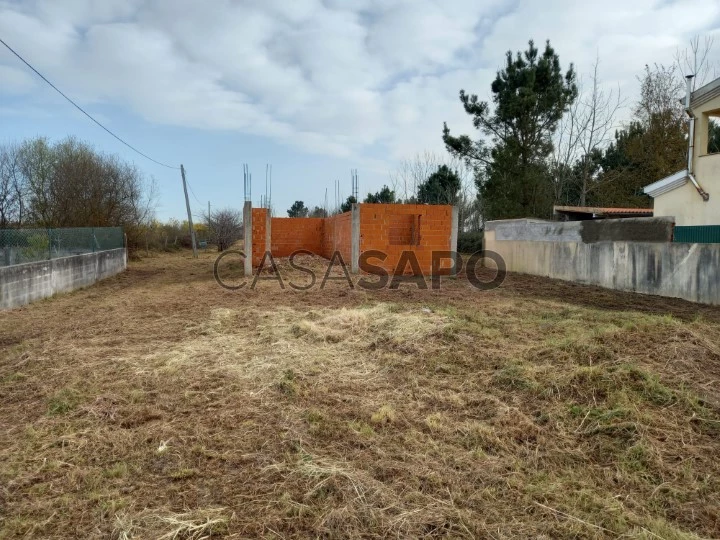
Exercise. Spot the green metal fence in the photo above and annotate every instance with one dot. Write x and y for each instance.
(18, 246)
(699, 234)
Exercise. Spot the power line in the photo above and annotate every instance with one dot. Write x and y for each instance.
(193, 193)
(78, 107)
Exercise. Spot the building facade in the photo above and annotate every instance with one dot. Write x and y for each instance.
(692, 195)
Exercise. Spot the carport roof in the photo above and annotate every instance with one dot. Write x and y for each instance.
(599, 212)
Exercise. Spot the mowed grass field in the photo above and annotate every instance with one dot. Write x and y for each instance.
(159, 405)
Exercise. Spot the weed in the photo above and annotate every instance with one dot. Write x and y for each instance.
(64, 401)
(384, 415)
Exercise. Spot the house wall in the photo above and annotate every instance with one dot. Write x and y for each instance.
(385, 227)
(689, 271)
(685, 203)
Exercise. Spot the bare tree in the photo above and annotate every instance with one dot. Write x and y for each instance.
(225, 227)
(696, 60)
(69, 184)
(413, 172)
(586, 129)
(10, 190)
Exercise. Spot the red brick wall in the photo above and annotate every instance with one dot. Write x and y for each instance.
(390, 228)
(259, 228)
(338, 236)
(394, 228)
(291, 234)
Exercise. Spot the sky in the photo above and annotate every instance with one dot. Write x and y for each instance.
(314, 87)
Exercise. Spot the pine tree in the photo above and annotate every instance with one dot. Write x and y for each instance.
(298, 209)
(384, 196)
(441, 187)
(530, 95)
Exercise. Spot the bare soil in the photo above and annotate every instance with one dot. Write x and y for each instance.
(157, 404)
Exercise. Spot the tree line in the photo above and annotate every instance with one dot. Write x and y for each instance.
(69, 184)
(545, 140)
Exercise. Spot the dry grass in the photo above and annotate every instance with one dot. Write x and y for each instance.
(157, 405)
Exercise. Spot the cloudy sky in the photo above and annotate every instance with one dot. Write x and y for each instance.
(315, 87)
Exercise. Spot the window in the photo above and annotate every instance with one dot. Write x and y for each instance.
(404, 230)
(713, 146)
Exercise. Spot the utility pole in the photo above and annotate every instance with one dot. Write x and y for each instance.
(187, 204)
(208, 210)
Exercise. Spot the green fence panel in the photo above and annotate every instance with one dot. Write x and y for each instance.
(698, 234)
(19, 246)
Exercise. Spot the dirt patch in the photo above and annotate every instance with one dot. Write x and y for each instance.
(157, 404)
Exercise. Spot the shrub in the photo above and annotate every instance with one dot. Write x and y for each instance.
(470, 242)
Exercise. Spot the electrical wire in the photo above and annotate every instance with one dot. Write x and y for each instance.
(78, 107)
(192, 192)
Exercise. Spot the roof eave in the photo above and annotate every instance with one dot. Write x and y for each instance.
(667, 184)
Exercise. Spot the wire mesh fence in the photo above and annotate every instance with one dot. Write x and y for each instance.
(18, 246)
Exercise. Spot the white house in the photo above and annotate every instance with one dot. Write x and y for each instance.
(692, 196)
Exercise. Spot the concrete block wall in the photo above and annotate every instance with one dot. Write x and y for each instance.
(25, 283)
(390, 228)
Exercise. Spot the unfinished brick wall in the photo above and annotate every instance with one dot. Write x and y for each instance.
(390, 228)
(394, 228)
(290, 234)
(259, 231)
(337, 236)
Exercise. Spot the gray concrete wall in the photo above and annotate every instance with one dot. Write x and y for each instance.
(25, 283)
(689, 271)
(602, 230)
(248, 233)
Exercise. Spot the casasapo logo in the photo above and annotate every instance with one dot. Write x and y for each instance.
(374, 274)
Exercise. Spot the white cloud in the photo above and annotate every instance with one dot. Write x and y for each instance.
(334, 76)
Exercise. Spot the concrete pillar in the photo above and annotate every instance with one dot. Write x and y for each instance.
(355, 240)
(247, 226)
(454, 235)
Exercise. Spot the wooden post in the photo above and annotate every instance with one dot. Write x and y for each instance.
(187, 205)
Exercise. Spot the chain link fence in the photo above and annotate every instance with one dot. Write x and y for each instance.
(18, 246)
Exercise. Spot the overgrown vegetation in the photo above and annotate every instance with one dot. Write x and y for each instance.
(70, 184)
(349, 413)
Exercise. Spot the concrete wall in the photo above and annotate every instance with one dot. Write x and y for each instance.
(601, 230)
(689, 271)
(25, 283)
